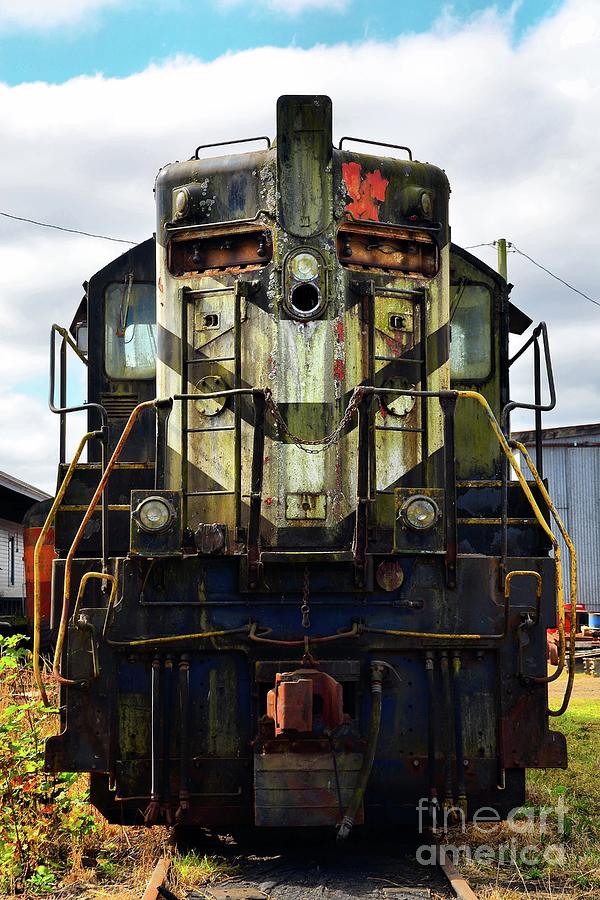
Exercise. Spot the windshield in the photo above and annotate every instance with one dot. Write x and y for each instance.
(130, 333)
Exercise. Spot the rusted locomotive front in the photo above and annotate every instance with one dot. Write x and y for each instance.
(317, 614)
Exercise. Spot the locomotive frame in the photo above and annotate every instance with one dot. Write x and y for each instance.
(300, 588)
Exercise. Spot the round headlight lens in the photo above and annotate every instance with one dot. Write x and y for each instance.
(419, 513)
(304, 266)
(182, 202)
(154, 514)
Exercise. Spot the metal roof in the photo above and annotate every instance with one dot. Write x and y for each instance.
(22, 488)
(561, 433)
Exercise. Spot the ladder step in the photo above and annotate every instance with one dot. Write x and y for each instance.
(200, 430)
(400, 359)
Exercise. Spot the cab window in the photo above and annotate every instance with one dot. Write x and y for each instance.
(130, 330)
(470, 332)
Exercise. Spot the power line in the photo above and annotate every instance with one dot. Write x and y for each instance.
(103, 237)
(514, 249)
(562, 280)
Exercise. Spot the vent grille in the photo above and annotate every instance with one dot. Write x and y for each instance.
(119, 406)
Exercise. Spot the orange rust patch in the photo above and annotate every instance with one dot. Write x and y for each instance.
(366, 191)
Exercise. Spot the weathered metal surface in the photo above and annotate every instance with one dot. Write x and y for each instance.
(303, 789)
(186, 657)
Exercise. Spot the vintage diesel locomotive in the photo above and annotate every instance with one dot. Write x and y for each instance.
(295, 584)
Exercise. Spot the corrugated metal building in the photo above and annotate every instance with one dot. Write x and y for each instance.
(15, 499)
(571, 463)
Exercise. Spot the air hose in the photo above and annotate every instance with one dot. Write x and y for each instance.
(347, 823)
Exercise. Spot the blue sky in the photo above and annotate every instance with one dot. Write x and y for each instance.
(127, 35)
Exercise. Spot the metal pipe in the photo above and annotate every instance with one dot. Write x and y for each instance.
(184, 738)
(448, 409)
(363, 502)
(449, 754)
(572, 574)
(167, 705)
(258, 455)
(153, 809)
(62, 628)
(537, 387)
(62, 443)
(37, 555)
(458, 735)
(433, 798)
(347, 823)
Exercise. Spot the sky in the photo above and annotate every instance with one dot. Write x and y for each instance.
(97, 95)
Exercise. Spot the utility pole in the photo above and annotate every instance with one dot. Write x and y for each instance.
(502, 268)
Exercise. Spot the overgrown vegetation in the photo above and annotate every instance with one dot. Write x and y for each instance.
(43, 821)
(570, 801)
(52, 841)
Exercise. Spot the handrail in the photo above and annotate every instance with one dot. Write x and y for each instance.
(573, 574)
(260, 137)
(347, 137)
(62, 628)
(61, 410)
(365, 390)
(537, 405)
(560, 600)
(37, 553)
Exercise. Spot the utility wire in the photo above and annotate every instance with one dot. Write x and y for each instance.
(562, 281)
(512, 248)
(103, 237)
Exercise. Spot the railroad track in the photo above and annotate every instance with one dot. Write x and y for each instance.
(303, 874)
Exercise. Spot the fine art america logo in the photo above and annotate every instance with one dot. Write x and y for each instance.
(520, 823)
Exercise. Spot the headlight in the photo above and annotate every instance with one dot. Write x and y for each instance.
(304, 266)
(154, 514)
(182, 202)
(419, 513)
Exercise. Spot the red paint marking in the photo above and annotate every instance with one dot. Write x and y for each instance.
(394, 345)
(339, 331)
(338, 369)
(269, 501)
(365, 191)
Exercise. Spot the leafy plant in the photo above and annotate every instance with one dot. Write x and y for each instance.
(41, 815)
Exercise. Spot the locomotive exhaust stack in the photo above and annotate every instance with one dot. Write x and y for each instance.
(322, 477)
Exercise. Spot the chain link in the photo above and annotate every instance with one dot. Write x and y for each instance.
(321, 444)
(305, 608)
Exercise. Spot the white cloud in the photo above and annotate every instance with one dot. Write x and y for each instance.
(43, 14)
(515, 127)
(291, 7)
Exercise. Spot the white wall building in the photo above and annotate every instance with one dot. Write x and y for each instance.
(15, 499)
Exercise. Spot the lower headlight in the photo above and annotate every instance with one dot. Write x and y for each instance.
(154, 514)
(419, 512)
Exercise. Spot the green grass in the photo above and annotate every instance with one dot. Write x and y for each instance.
(577, 832)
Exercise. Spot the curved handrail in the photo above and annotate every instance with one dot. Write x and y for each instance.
(573, 574)
(37, 554)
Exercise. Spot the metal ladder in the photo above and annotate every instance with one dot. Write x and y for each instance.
(192, 364)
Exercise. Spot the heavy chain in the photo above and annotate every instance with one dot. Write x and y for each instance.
(321, 444)
(305, 608)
